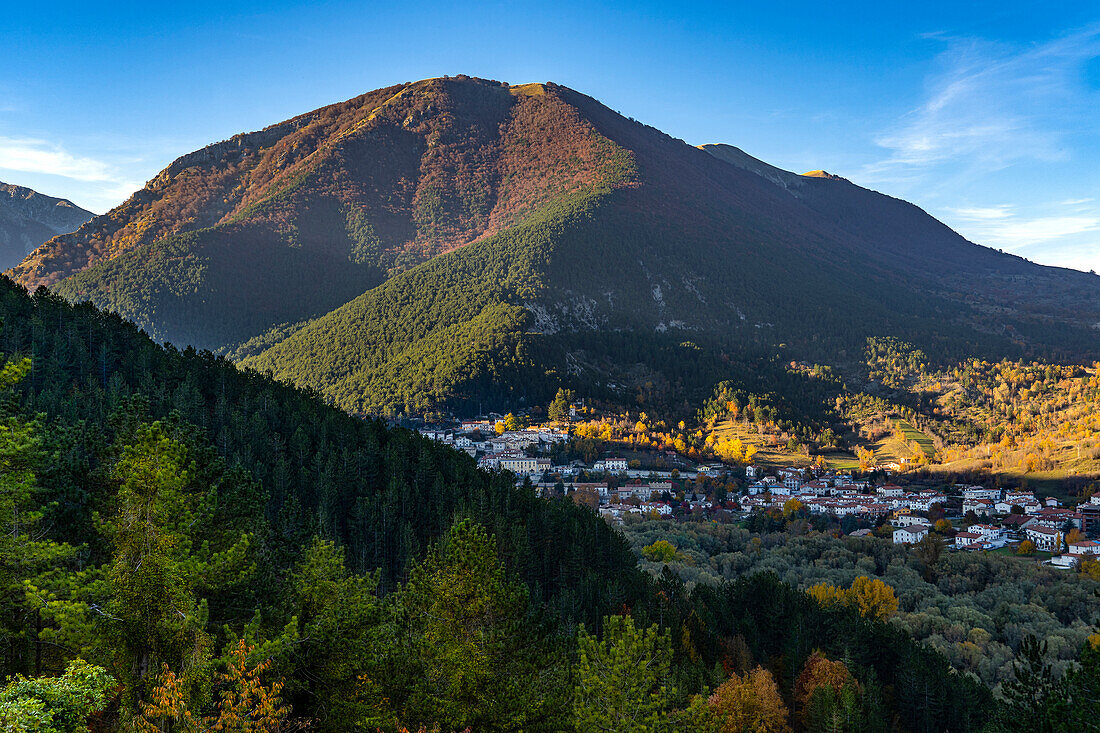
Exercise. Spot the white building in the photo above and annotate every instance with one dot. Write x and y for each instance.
(1068, 560)
(758, 487)
(1030, 507)
(924, 501)
(525, 465)
(978, 505)
(610, 465)
(987, 531)
(907, 520)
(980, 492)
(911, 534)
(1085, 547)
(967, 539)
(1045, 538)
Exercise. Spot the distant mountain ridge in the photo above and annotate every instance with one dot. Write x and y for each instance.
(29, 218)
(454, 239)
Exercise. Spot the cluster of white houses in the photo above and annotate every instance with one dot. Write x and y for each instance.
(839, 496)
(1010, 516)
(654, 490)
(1046, 527)
(989, 502)
(509, 451)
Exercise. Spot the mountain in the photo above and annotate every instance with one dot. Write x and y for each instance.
(28, 218)
(456, 240)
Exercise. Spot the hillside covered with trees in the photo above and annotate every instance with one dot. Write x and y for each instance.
(186, 544)
(432, 245)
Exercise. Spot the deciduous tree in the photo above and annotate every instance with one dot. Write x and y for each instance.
(55, 704)
(750, 703)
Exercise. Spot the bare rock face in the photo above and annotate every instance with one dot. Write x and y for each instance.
(29, 219)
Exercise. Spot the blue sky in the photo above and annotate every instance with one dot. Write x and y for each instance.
(985, 114)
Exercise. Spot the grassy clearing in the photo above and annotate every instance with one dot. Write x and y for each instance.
(1010, 551)
(778, 456)
(911, 433)
(895, 448)
(891, 449)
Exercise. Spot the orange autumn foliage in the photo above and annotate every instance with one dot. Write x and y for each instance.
(819, 671)
(750, 703)
(246, 705)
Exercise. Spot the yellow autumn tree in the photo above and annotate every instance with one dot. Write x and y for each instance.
(792, 506)
(871, 597)
(750, 703)
(827, 595)
(1090, 569)
(866, 457)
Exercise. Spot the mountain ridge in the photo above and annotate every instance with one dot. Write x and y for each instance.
(329, 254)
(28, 219)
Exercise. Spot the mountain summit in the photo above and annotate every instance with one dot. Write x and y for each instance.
(28, 218)
(455, 238)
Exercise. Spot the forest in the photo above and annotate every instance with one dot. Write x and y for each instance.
(428, 247)
(974, 608)
(189, 546)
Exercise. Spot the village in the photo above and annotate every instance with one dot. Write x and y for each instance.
(961, 518)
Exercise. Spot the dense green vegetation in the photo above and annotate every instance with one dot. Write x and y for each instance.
(974, 608)
(320, 470)
(458, 241)
(222, 545)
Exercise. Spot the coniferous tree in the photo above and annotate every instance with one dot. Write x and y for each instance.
(1033, 698)
(622, 679)
(471, 651)
(25, 554)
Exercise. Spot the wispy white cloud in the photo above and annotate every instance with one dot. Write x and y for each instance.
(1020, 233)
(989, 105)
(1001, 123)
(984, 213)
(38, 156)
(1066, 233)
(97, 184)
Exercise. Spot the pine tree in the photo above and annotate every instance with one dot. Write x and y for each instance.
(622, 680)
(470, 649)
(1032, 698)
(24, 554)
(337, 650)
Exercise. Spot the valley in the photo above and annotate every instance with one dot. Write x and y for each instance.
(464, 405)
